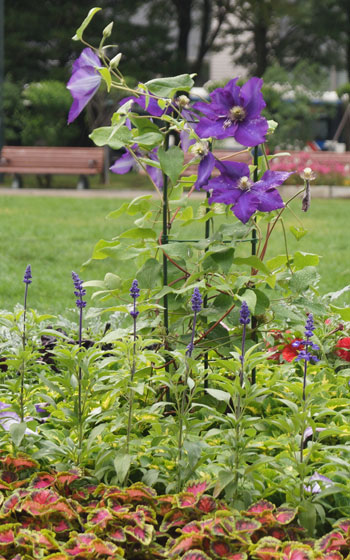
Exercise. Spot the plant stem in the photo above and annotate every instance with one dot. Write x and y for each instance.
(80, 411)
(21, 396)
(131, 392)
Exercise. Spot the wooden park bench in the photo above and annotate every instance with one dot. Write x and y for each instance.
(45, 162)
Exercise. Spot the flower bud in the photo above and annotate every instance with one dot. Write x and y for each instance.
(307, 174)
(107, 30)
(114, 63)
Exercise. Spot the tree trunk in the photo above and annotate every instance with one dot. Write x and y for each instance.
(184, 24)
(260, 39)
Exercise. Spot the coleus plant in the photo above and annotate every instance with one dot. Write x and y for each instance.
(61, 516)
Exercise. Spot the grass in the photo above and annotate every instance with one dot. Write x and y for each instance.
(56, 235)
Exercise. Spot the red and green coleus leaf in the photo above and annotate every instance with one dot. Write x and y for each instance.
(296, 551)
(47, 502)
(245, 525)
(45, 538)
(334, 540)
(164, 504)
(117, 534)
(42, 480)
(148, 513)
(343, 524)
(206, 504)
(87, 545)
(143, 535)
(66, 478)
(184, 543)
(267, 548)
(174, 518)
(220, 549)
(99, 518)
(285, 515)
(19, 463)
(259, 508)
(138, 492)
(7, 534)
(196, 487)
(186, 499)
(195, 555)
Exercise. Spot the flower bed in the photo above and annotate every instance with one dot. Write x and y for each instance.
(205, 412)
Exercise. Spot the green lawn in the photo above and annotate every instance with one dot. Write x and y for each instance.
(56, 235)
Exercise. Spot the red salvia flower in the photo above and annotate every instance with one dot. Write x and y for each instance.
(343, 348)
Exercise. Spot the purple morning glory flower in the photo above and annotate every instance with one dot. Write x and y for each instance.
(84, 82)
(234, 186)
(126, 162)
(234, 112)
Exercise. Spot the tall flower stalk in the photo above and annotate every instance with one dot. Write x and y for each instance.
(79, 292)
(196, 301)
(134, 293)
(305, 354)
(244, 319)
(27, 279)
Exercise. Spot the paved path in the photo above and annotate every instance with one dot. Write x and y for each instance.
(286, 192)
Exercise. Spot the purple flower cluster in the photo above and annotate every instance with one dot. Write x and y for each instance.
(235, 188)
(305, 353)
(135, 293)
(196, 301)
(84, 82)
(27, 279)
(234, 112)
(80, 292)
(244, 314)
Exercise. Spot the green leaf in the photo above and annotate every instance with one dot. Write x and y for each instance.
(277, 262)
(219, 395)
(344, 312)
(298, 232)
(301, 260)
(149, 274)
(171, 162)
(79, 32)
(17, 431)
(115, 137)
(149, 139)
(167, 87)
(122, 464)
(106, 75)
(224, 259)
(253, 262)
(139, 233)
(303, 279)
(224, 478)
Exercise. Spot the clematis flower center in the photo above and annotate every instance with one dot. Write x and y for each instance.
(200, 149)
(244, 184)
(236, 114)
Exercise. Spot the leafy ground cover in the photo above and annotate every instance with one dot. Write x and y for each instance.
(58, 516)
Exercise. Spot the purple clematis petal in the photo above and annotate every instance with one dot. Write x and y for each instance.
(205, 168)
(84, 82)
(234, 112)
(123, 165)
(245, 206)
(252, 132)
(253, 100)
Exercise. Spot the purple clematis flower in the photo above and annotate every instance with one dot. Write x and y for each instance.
(84, 82)
(234, 186)
(234, 112)
(126, 162)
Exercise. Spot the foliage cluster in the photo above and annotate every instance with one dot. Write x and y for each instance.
(58, 516)
(215, 364)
